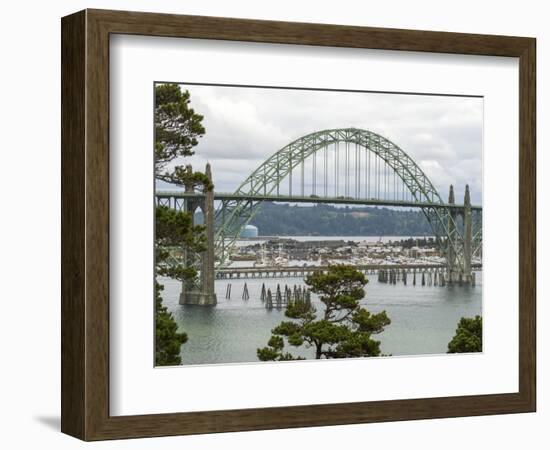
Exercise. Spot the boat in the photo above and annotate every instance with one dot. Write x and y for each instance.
(262, 262)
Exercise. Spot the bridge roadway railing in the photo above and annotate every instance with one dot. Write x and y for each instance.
(301, 271)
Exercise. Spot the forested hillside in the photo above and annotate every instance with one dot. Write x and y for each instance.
(327, 220)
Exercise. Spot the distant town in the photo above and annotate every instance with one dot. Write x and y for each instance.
(280, 251)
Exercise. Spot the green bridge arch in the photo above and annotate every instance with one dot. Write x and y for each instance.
(233, 215)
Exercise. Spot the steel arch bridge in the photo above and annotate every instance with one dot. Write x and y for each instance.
(349, 165)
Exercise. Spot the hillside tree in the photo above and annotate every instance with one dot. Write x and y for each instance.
(468, 337)
(177, 131)
(342, 329)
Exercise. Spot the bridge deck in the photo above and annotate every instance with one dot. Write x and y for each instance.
(224, 196)
(300, 271)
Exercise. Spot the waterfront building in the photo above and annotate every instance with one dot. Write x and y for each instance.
(250, 231)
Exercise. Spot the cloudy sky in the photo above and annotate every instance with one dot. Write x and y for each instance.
(244, 126)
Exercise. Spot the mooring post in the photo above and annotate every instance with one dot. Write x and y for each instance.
(278, 297)
(269, 301)
(263, 294)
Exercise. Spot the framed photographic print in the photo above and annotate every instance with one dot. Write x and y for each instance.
(272, 224)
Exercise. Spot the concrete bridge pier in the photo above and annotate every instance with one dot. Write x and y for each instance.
(467, 277)
(203, 292)
(459, 270)
(452, 272)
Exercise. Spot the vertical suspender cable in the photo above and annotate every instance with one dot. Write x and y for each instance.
(278, 172)
(325, 170)
(290, 172)
(336, 174)
(346, 168)
(378, 176)
(376, 181)
(387, 177)
(368, 177)
(302, 170)
(366, 172)
(358, 149)
(394, 195)
(314, 171)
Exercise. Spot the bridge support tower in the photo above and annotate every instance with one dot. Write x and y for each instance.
(203, 292)
(452, 266)
(468, 275)
(459, 266)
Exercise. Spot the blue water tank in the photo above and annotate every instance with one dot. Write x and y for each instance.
(250, 231)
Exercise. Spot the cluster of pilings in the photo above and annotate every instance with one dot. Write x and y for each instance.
(245, 295)
(285, 296)
(425, 278)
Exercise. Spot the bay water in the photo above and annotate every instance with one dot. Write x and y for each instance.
(423, 318)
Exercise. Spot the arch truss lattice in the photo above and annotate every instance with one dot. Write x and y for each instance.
(347, 163)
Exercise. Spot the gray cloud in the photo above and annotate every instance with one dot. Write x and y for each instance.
(244, 126)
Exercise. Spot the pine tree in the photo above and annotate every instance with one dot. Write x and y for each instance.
(343, 329)
(468, 337)
(168, 340)
(177, 129)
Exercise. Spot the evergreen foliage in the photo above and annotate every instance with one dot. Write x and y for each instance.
(177, 129)
(468, 337)
(175, 229)
(343, 329)
(168, 340)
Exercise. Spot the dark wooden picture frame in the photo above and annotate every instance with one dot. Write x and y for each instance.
(85, 224)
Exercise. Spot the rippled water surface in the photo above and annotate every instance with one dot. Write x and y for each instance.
(423, 318)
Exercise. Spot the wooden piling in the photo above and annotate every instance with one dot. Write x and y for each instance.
(245, 295)
(269, 300)
(263, 294)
